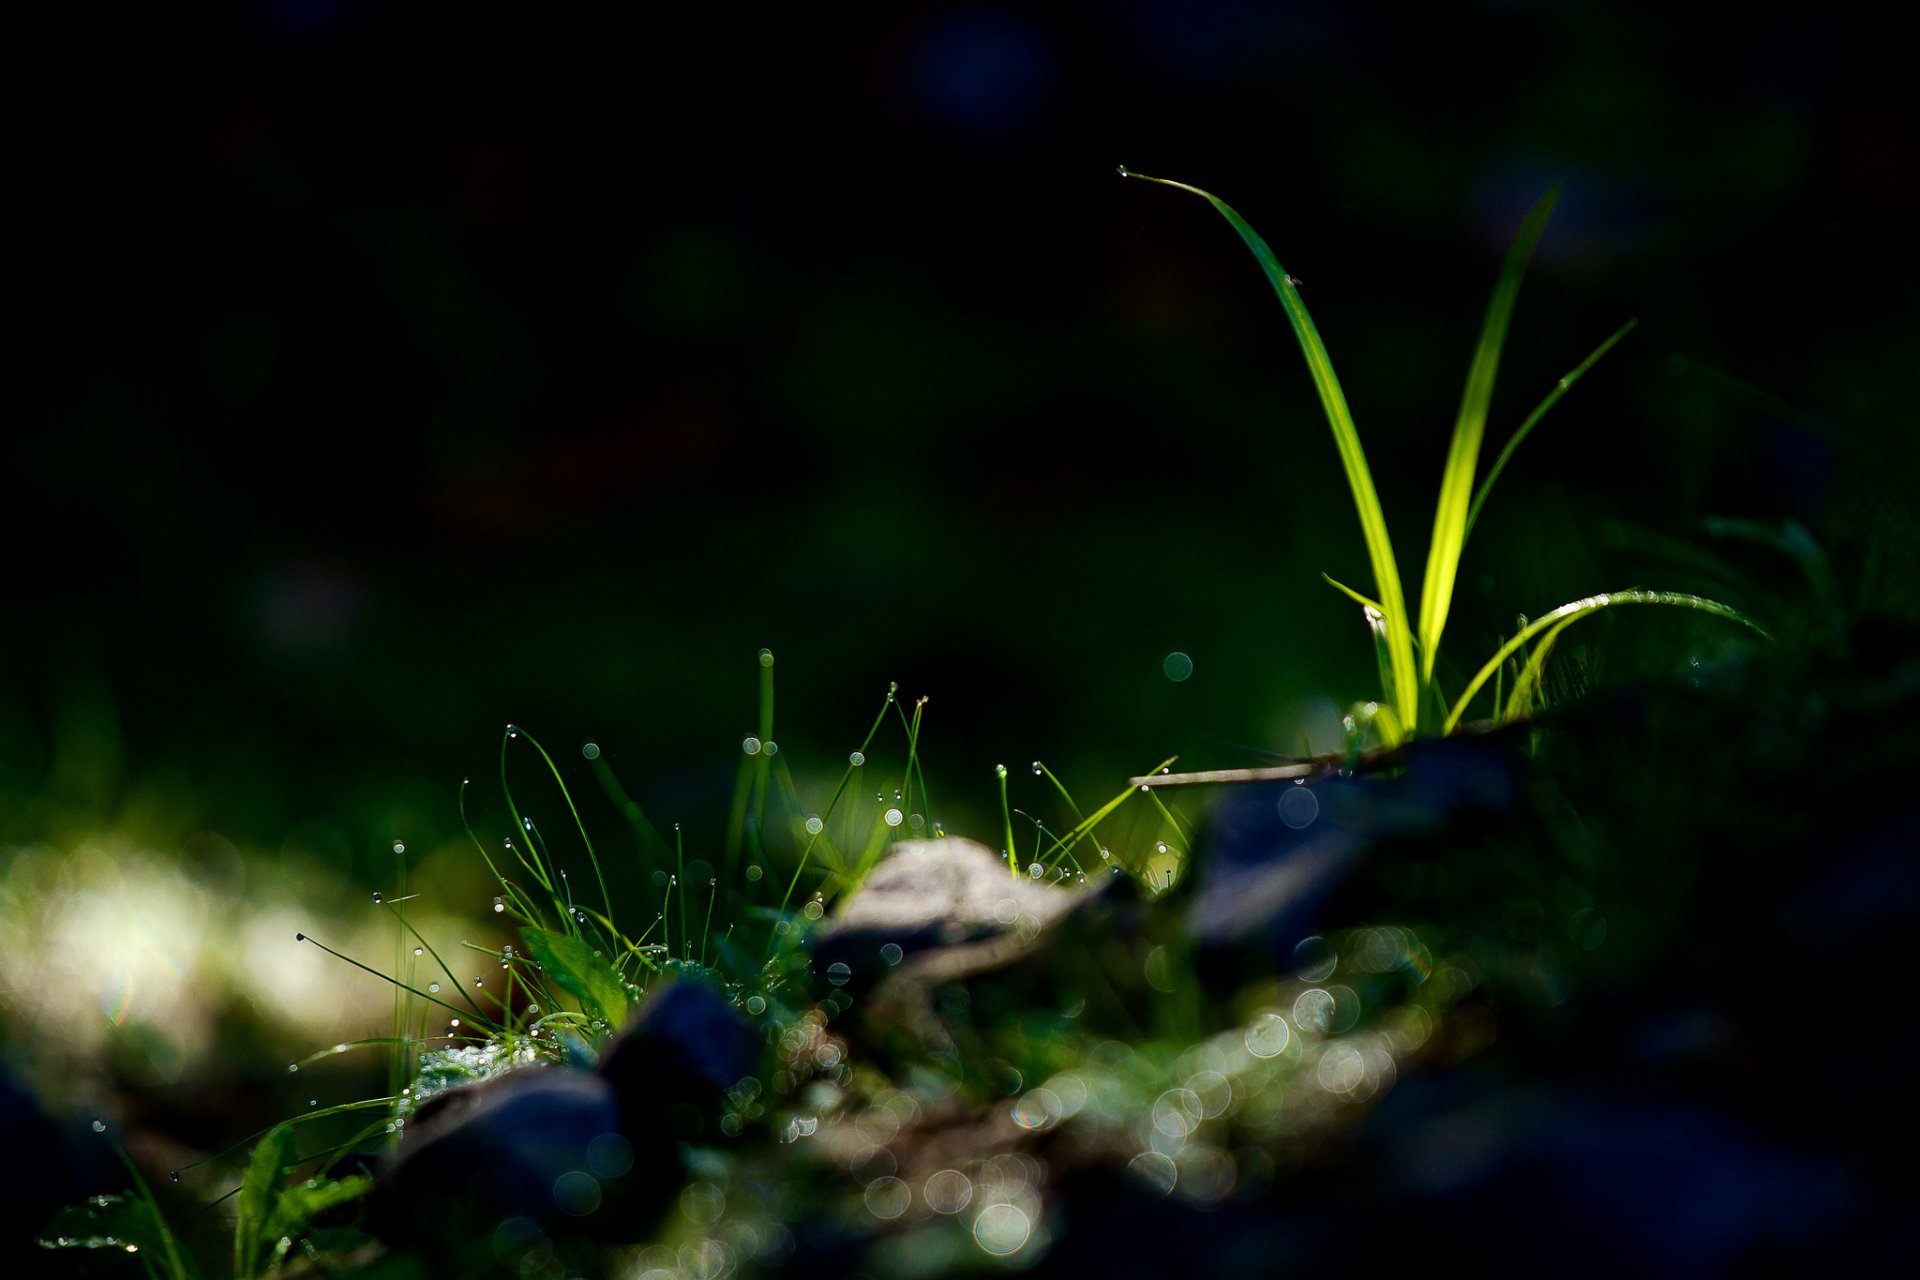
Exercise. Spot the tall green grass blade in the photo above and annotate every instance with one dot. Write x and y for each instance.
(1403, 690)
(1552, 398)
(1580, 609)
(1463, 454)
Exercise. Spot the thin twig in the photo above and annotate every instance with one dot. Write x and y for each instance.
(1308, 767)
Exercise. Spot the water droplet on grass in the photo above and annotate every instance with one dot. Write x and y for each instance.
(376, 898)
(419, 951)
(399, 846)
(433, 988)
(766, 657)
(499, 904)
(750, 745)
(1177, 666)
(894, 817)
(99, 1126)
(591, 750)
(857, 758)
(815, 826)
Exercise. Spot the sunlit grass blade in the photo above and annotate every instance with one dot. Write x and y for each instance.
(1403, 691)
(1526, 427)
(1580, 609)
(1463, 454)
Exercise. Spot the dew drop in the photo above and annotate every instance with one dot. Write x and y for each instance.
(753, 871)
(838, 973)
(894, 817)
(815, 826)
(756, 1005)
(891, 953)
(750, 745)
(99, 1126)
(499, 904)
(173, 1174)
(433, 987)
(399, 846)
(454, 1022)
(299, 937)
(591, 750)
(1035, 871)
(292, 1067)
(376, 899)
(773, 748)
(766, 657)
(419, 951)
(856, 758)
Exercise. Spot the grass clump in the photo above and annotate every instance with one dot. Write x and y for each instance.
(1413, 700)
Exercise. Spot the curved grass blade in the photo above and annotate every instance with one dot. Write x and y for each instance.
(1463, 454)
(1580, 609)
(1403, 691)
(1552, 398)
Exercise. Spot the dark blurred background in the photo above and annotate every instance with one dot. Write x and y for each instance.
(385, 374)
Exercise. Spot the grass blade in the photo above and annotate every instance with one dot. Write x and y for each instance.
(1463, 455)
(1580, 609)
(1560, 388)
(1404, 691)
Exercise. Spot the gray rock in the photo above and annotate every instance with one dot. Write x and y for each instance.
(950, 906)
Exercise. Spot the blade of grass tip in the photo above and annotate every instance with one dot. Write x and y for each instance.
(1463, 454)
(1560, 388)
(1040, 768)
(680, 879)
(573, 810)
(1006, 819)
(913, 757)
(1346, 439)
(1580, 609)
(337, 955)
(652, 844)
(534, 868)
(1353, 595)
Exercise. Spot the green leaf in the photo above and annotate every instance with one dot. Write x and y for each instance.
(259, 1198)
(581, 970)
(1554, 620)
(1402, 691)
(1463, 455)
